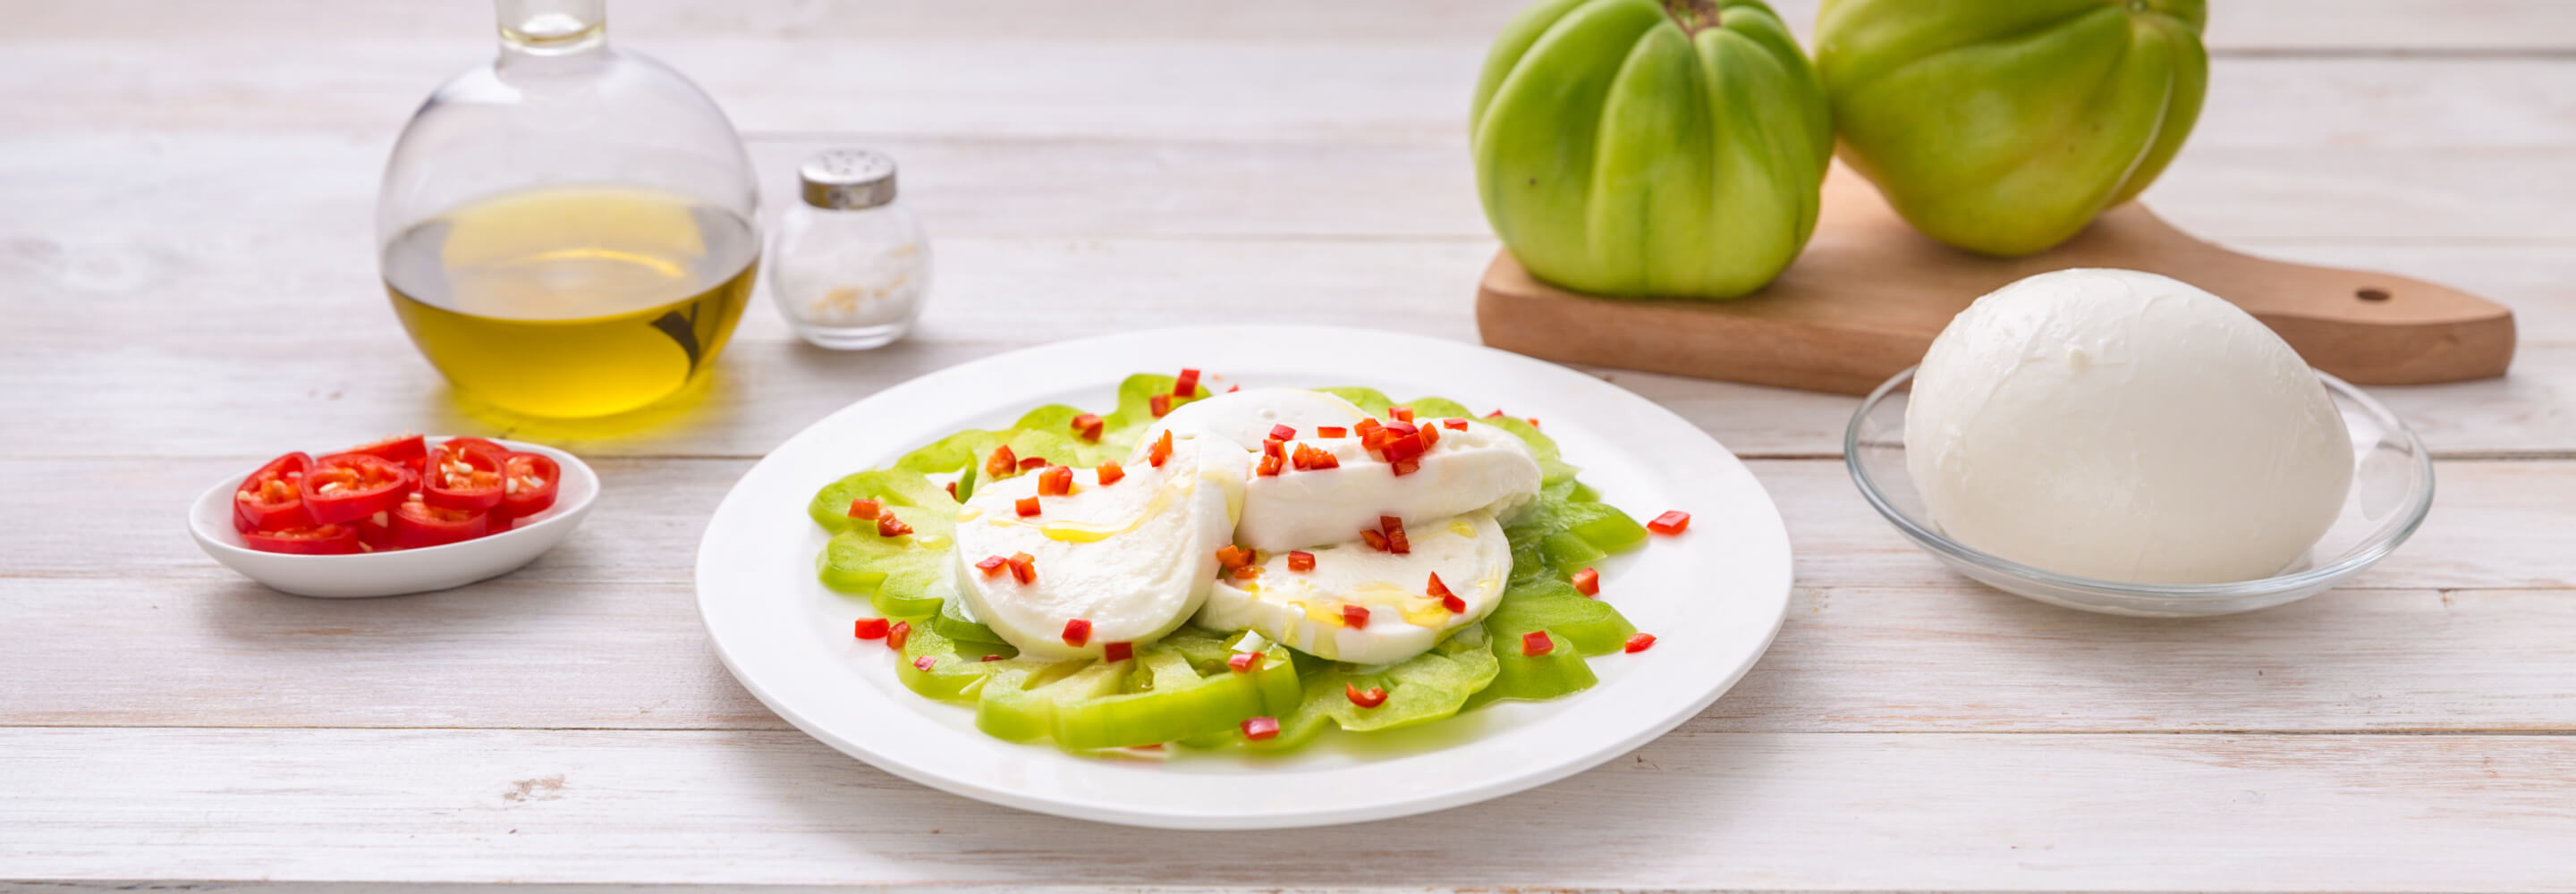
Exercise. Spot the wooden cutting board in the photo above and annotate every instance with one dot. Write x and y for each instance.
(1866, 297)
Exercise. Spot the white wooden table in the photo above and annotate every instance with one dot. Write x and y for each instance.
(188, 283)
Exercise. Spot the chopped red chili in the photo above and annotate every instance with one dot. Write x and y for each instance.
(1282, 433)
(1024, 567)
(1670, 523)
(1027, 506)
(1117, 651)
(1110, 473)
(1002, 463)
(1161, 404)
(1639, 643)
(1186, 384)
(924, 663)
(1233, 557)
(1077, 632)
(890, 526)
(991, 565)
(1259, 728)
(1400, 414)
(867, 509)
(898, 634)
(870, 628)
(1161, 451)
(1056, 481)
(1301, 560)
(1375, 540)
(1087, 427)
(1242, 662)
(1587, 582)
(1032, 462)
(1356, 616)
(1448, 600)
(1331, 431)
(1374, 697)
(1395, 540)
(1454, 424)
(1536, 643)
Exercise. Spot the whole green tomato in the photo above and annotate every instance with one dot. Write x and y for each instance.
(2005, 126)
(1645, 148)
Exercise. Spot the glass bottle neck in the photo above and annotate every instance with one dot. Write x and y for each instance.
(551, 27)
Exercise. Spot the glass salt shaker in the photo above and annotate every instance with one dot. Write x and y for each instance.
(850, 266)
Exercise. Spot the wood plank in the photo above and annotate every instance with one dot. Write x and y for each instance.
(2496, 525)
(2395, 26)
(1694, 809)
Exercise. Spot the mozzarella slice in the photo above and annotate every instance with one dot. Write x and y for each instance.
(1304, 610)
(1135, 557)
(1244, 418)
(1478, 468)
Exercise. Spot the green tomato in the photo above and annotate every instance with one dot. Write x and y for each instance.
(1666, 148)
(2005, 127)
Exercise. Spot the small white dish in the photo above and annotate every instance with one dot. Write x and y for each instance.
(399, 571)
(1713, 597)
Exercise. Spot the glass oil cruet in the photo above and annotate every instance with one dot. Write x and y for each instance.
(570, 230)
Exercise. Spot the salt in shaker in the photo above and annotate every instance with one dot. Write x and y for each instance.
(849, 266)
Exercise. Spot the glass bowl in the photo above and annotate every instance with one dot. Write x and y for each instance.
(2392, 489)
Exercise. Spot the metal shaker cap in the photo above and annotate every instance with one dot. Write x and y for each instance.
(846, 179)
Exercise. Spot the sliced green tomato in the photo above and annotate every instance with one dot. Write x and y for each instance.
(1427, 687)
(1558, 673)
(1594, 627)
(1171, 690)
(958, 670)
(951, 622)
(900, 489)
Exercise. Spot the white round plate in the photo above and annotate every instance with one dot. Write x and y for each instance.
(1713, 596)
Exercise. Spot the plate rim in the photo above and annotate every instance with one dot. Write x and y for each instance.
(736, 501)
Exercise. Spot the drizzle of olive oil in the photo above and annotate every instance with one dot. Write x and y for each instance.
(573, 301)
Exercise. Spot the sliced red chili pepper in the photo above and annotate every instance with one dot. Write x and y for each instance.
(1115, 652)
(1056, 481)
(991, 565)
(1161, 451)
(529, 484)
(409, 451)
(1395, 540)
(1160, 404)
(890, 526)
(866, 509)
(1301, 560)
(345, 487)
(1087, 426)
(1186, 384)
(924, 663)
(1454, 424)
(1536, 643)
(1110, 473)
(478, 444)
(1002, 463)
(1587, 582)
(1259, 728)
(376, 532)
(1024, 567)
(272, 499)
(1026, 506)
(1232, 557)
(1077, 632)
(464, 474)
(310, 540)
(1331, 431)
(1356, 616)
(1242, 662)
(869, 628)
(1374, 697)
(1032, 462)
(1282, 433)
(417, 524)
(1448, 600)
(1639, 643)
(1375, 540)
(898, 634)
(1670, 523)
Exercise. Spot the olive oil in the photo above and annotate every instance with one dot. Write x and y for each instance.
(573, 301)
